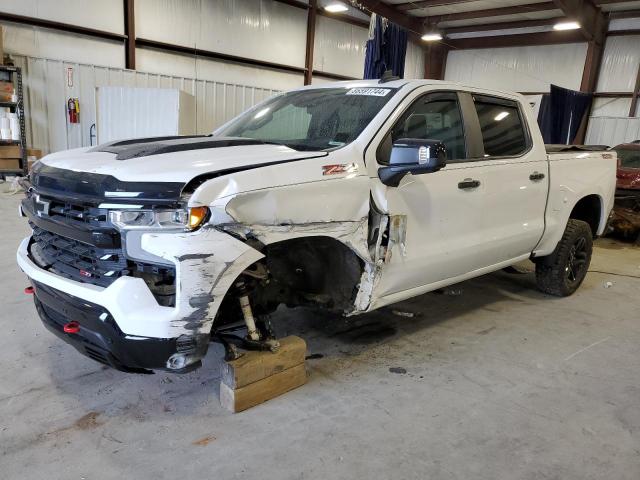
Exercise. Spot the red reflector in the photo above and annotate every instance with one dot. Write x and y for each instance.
(71, 327)
(29, 290)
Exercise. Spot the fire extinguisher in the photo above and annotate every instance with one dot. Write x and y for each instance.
(73, 109)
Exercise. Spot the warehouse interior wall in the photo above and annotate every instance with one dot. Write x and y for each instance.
(520, 69)
(47, 87)
(276, 32)
(610, 123)
(257, 29)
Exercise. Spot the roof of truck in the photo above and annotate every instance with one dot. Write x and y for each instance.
(406, 82)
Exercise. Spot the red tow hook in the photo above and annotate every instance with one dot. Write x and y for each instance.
(29, 290)
(71, 327)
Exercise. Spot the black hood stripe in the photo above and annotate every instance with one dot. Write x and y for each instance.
(145, 147)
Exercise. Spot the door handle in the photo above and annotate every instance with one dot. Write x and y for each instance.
(468, 183)
(535, 176)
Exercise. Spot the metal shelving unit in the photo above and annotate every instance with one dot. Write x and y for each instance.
(17, 107)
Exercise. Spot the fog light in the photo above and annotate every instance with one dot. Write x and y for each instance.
(177, 361)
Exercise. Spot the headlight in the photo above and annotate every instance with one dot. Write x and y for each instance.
(179, 219)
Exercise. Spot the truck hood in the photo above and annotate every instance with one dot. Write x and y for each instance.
(174, 159)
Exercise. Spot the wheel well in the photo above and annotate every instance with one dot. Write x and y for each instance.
(316, 271)
(321, 269)
(588, 209)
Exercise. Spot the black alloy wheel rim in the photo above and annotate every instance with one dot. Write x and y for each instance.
(577, 260)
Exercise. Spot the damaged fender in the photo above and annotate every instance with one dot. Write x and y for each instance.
(205, 268)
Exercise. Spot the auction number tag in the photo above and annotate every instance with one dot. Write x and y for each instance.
(371, 92)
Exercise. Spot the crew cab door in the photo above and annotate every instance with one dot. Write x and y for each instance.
(444, 212)
(484, 208)
(516, 178)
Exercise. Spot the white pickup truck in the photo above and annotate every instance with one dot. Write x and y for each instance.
(348, 196)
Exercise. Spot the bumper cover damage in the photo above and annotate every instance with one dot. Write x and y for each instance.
(125, 316)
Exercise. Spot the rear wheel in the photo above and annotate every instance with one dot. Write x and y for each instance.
(562, 272)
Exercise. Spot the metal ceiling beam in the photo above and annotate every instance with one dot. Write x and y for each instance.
(589, 16)
(517, 40)
(405, 7)
(495, 12)
(506, 25)
(343, 18)
(197, 52)
(607, 2)
(63, 27)
(294, 3)
(408, 22)
(320, 11)
(624, 14)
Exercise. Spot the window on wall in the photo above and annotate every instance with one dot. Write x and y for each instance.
(434, 117)
(503, 131)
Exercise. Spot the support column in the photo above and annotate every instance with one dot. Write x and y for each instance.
(634, 97)
(311, 36)
(130, 32)
(592, 64)
(435, 60)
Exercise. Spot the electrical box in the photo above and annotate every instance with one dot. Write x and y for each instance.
(124, 113)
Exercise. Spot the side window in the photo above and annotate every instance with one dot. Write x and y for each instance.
(434, 117)
(503, 132)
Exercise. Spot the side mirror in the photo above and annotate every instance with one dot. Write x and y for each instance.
(415, 156)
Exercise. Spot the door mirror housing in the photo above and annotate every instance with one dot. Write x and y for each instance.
(415, 156)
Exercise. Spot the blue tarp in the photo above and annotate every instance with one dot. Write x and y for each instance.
(561, 113)
(386, 50)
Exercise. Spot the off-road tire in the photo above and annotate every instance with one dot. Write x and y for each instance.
(557, 274)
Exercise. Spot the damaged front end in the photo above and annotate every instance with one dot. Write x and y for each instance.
(329, 265)
(149, 290)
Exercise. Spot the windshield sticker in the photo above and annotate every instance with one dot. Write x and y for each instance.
(370, 92)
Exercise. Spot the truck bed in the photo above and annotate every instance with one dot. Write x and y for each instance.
(559, 148)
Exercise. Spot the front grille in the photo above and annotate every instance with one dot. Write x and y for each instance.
(78, 260)
(86, 262)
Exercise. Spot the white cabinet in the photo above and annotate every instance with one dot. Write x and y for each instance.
(123, 113)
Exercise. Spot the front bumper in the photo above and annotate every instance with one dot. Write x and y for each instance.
(100, 339)
(136, 320)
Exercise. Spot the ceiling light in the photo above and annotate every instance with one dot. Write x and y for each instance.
(336, 7)
(566, 26)
(501, 115)
(431, 37)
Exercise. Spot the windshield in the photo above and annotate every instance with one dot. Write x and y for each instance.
(320, 119)
(629, 158)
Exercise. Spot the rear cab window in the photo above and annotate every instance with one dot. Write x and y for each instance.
(504, 133)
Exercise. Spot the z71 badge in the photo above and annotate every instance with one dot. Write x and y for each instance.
(340, 168)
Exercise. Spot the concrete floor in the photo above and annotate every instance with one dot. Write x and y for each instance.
(491, 380)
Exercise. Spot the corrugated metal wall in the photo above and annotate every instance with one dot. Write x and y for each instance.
(47, 91)
(520, 69)
(612, 130)
(609, 123)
